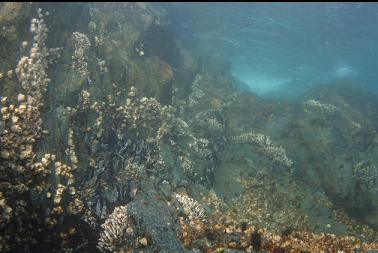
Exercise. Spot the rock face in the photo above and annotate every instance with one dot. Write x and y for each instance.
(158, 220)
(128, 45)
(145, 223)
(346, 141)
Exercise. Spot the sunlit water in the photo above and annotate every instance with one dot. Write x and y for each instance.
(281, 49)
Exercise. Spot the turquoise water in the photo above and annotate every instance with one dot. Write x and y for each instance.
(285, 48)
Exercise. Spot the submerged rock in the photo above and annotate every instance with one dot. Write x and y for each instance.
(157, 219)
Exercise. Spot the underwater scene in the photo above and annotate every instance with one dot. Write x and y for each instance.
(188, 127)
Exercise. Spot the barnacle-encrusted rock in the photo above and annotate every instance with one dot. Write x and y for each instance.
(142, 132)
(366, 173)
(157, 221)
(145, 222)
(34, 194)
(266, 146)
(208, 120)
(191, 207)
(119, 232)
(79, 59)
(317, 105)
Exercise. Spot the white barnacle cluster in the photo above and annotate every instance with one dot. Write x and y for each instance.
(22, 122)
(118, 231)
(102, 65)
(146, 115)
(140, 126)
(133, 169)
(85, 99)
(192, 208)
(59, 194)
(70, 151)
(265, 145)
(79, 58)
(186, 165)
(99, 40)
(196, 93)
(181, 127)
(89, 218)
(316, 105)
(201, 147)
(42, 168)
(19, 119)
(76, 206)
(366, 173)
(207, 120)
(19, 170)
(54, 54)
(32, 70)
(10, 73)
(64, 172)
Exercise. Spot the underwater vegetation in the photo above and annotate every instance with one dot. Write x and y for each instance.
(114, 137)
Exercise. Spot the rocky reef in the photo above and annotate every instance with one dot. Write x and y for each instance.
(115, 138)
